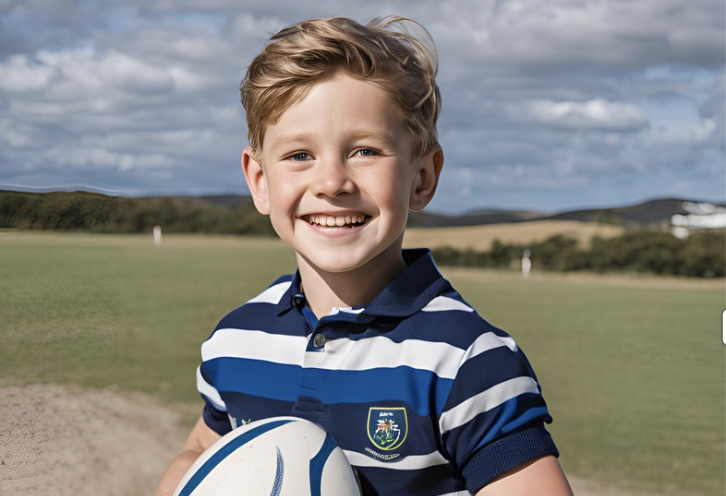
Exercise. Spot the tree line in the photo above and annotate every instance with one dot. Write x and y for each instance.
(91, 212)
(703, 254)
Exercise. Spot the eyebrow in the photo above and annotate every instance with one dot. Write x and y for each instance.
(385, 138)
(293, 139)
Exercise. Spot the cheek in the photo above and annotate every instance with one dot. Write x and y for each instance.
(394, 196)
(284, 195)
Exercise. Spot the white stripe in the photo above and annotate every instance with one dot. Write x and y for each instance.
(255, 345)
(404, 463)
(487, 342)
(485, 401)
(210, 392)
(337, 310)
(380, 352)
(273, 294)
(444, 304)
(345, 354)
(457, 493)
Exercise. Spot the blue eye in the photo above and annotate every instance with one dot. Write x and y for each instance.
(366, 153)
(300, 157)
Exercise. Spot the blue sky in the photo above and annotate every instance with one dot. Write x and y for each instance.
(546, 105)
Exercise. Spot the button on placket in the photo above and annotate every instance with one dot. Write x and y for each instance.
(319, 341)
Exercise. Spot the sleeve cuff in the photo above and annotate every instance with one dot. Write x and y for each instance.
(216, 420)
(506, 453)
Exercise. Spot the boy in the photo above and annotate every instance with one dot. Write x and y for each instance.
(366, 340)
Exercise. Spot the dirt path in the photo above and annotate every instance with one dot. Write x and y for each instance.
(65, 441)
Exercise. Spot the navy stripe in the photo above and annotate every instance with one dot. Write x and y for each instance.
(216, 420)
(430, 481)
(339, 401)
(486, 370)
(224, 452)
(488, 427)
(421, 390)
(506, 453)
(317, 464)
(249, 317)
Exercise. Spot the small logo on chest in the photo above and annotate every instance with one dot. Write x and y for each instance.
(387, 430)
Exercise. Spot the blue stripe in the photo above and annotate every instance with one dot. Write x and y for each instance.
(506, 412)
(317, 464)
(511, 416)
(527, 416)
(255, 377)
(422, 390)
(224, 452)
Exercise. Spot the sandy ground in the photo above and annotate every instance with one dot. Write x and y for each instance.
(63, 441)
(66, 441)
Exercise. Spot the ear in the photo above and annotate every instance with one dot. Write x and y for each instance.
(426, 180)
(256, 181)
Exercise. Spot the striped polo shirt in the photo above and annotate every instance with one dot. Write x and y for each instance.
(424, 396)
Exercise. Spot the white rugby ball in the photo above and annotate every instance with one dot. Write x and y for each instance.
(281, 456)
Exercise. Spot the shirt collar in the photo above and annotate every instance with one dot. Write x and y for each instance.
(408, 293)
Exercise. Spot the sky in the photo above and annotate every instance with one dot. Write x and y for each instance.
(547, 106)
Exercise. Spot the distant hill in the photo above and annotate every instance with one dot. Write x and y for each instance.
(235, 214)
(642, 214)
(476, 218)
(651, 212)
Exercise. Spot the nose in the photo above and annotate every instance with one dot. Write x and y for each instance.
(332, 178)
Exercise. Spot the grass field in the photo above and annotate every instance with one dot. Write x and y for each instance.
(634, 370)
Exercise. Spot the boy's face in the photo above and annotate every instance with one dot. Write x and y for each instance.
(337, 177)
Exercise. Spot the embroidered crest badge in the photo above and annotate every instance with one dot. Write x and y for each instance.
(387, 427)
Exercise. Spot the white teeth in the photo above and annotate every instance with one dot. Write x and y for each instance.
(330, 221)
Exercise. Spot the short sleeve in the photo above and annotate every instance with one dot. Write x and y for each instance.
(506, 453)
(493, 419)
(215, 410)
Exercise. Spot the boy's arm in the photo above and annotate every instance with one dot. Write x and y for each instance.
(201, 438)
(541, 476)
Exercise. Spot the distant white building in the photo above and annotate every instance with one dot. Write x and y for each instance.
(698, 216)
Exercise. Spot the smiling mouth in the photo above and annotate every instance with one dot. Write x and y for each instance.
(349, 221)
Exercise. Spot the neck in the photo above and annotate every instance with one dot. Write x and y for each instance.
(325, 290)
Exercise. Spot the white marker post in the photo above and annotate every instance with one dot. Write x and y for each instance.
(526, 264)
(157, 235)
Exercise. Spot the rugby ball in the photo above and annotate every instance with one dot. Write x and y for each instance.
(281, 456)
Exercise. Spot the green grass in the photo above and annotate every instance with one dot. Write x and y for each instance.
(634, 375)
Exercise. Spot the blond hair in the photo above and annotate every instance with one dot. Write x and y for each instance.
(384, 52)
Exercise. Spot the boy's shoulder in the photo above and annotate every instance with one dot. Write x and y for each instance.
(438, 316)
(262, 308)
(450, 318)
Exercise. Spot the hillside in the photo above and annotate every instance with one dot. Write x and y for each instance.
(648, 213)
(235, 214)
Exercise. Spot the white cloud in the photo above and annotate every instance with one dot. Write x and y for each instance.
(537, 95)
(20, 74)
(134, 75)
(705, 131)
(595, 114)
